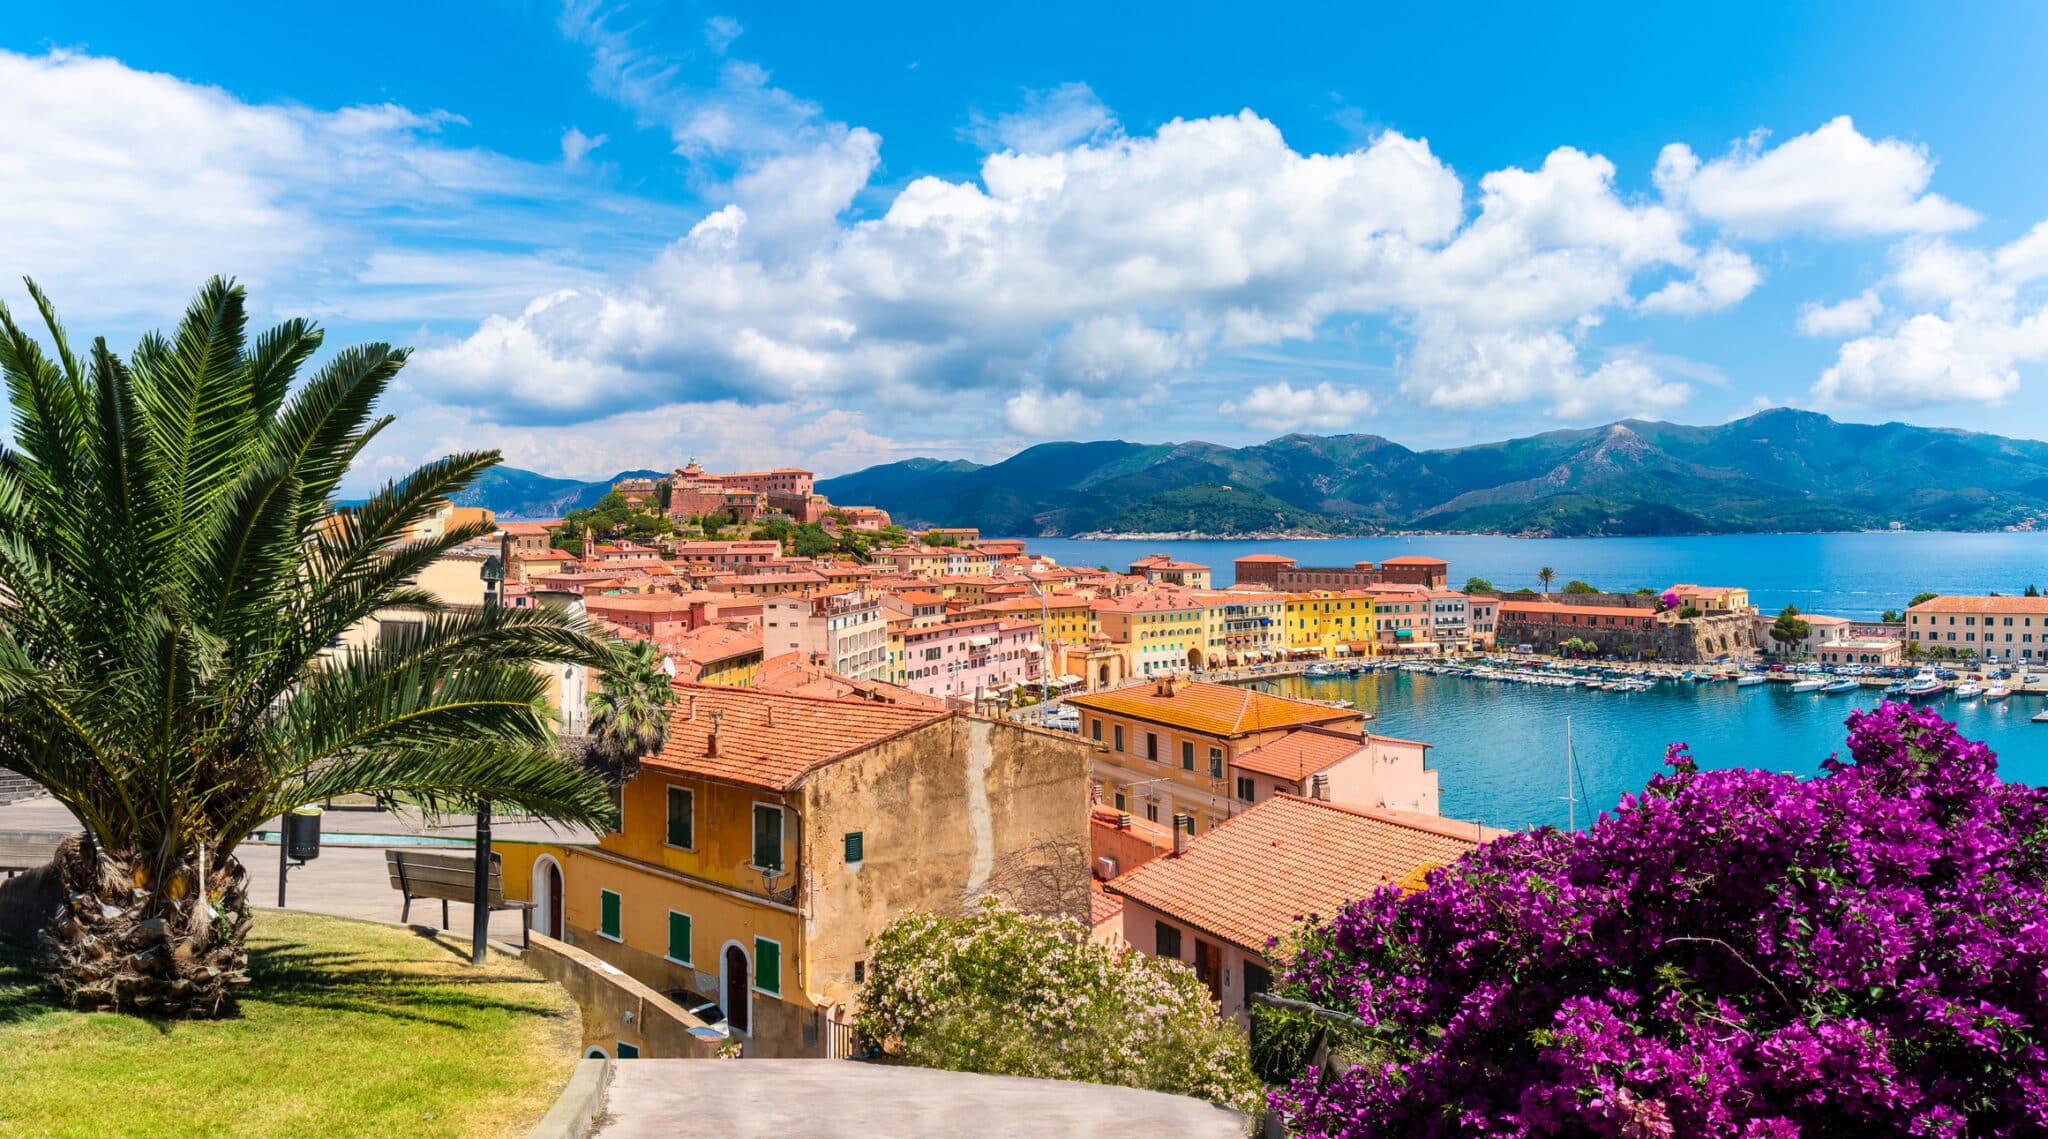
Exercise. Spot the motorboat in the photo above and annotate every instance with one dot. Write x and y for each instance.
(1968, 691)
(1922, 687)
(1318, 671)
(1997, 692)
(1836, 687)
(2041, 717)
(1896, 689)
(1748, 680)
(1809, 684)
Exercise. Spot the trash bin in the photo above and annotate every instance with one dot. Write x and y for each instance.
(302, 833)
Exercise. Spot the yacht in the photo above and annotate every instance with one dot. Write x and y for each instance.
(1897, 689)
(1319, 671)
(2041, 717)
(1809, 684)
(1968, 691)
(1922, 687)
(1836, 687)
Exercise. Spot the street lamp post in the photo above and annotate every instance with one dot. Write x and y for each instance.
(493, 574)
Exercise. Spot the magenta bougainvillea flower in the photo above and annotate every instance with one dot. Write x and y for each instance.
(1730, 953)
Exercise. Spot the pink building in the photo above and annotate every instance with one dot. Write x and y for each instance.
(1365, 771)
(845, 632)
(970, 658)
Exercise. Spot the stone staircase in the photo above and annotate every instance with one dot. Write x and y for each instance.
(14, 788)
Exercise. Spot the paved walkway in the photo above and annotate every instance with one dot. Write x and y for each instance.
(347, 881)
(839, 1099)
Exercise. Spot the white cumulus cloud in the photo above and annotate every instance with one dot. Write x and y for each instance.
(1843, 318)
(1048, 121)
(1721, 279)
(1035, 412)
(1283, 407)
(1831, 180)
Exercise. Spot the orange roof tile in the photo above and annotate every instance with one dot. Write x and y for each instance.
(1251, 877)
(1102, 905)
(1213, 709)
(1982, 605)
(1299, 754)
(1413, 560)
(771, 740)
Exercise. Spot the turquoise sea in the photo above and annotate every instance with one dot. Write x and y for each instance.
(1846, 575)
(1500, 748)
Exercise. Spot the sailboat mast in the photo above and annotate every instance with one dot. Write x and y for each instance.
(1571, 801)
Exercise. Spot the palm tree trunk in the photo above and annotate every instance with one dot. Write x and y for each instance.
(125, 942)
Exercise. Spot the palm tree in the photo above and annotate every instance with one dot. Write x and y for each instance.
(629, 714)
(176, 580)
(1546, 575)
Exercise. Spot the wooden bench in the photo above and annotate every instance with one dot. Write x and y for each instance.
(450, 877)
(26, 850)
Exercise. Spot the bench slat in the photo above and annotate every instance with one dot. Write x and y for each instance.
(446, 876)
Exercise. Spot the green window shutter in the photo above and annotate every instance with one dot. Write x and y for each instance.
(681, 817)
(628, 1051)
(856, 846)
(767, 966)
(679, 937)
(607, 913)
(768, 838)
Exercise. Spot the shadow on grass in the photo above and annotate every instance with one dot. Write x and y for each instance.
(290, 973)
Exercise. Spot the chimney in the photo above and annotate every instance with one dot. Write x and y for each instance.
(711, 739)
(1183, 825)
(1319, 787)
(690, 709)
(1123, 820)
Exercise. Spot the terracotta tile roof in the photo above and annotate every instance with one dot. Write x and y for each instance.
(1249, 878)
(1266, 558)
(715, 643)
(1102, 905)
(793, 674)
(1299, 754)
(1982, 605)
(1212, 709)
(1552, 608)
(1413, 560)
(771, 740)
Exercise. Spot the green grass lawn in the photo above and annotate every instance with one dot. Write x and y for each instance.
(345, 1029)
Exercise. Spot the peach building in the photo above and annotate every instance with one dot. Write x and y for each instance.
(1217, 900)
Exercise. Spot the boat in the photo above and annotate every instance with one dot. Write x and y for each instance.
(1968, 691)
(1810, 684)
(1835, 687)
(1922, 688)
(2041, 717)
(1897, 688)
(1748, 680)
(1319, 671)
(1998, 692)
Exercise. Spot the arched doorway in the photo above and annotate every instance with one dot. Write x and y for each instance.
(1194, 658)
(1104, 674)
(547, 897)
(734, 984)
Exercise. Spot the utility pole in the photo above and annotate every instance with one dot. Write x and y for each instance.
(493, 573)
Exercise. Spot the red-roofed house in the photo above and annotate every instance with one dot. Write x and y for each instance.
(775, 834)
(1220, 900)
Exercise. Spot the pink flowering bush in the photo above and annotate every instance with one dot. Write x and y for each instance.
(1015, 994)
(1731, 953)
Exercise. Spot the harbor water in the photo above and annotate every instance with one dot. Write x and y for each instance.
(1500, 747)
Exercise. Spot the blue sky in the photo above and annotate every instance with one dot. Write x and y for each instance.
(841, 234)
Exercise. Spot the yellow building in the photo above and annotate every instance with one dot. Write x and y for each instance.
(1164, 629)
(1062, 619)
(1331, 623)
(1243, 628)
(775, 834)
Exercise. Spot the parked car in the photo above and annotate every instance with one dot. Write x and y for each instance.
(701, 1007)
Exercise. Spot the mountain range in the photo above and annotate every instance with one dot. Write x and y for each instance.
(1777, 470)
(514, 494)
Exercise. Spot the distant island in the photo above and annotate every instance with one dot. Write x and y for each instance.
(1781, 470)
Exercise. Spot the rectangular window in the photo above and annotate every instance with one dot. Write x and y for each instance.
(1167, 940)
(681, 817)
(856, 847)
(628, 1051)
(1187, 755)
(1152, 812)
(767, 966)
(1151, 746)
(1244, 788)
(1095, 728)
(1215, 763)
(679, 938)
(608, 914)
(1119, 745)
(768, 838)
(1121, 802)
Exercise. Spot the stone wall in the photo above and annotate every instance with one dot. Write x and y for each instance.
(615, 1006)
(1695, 641)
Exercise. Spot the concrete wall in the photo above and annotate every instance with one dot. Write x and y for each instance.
(1141, 930)
(615, 1006)
(1384, 773)
(947, 814)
